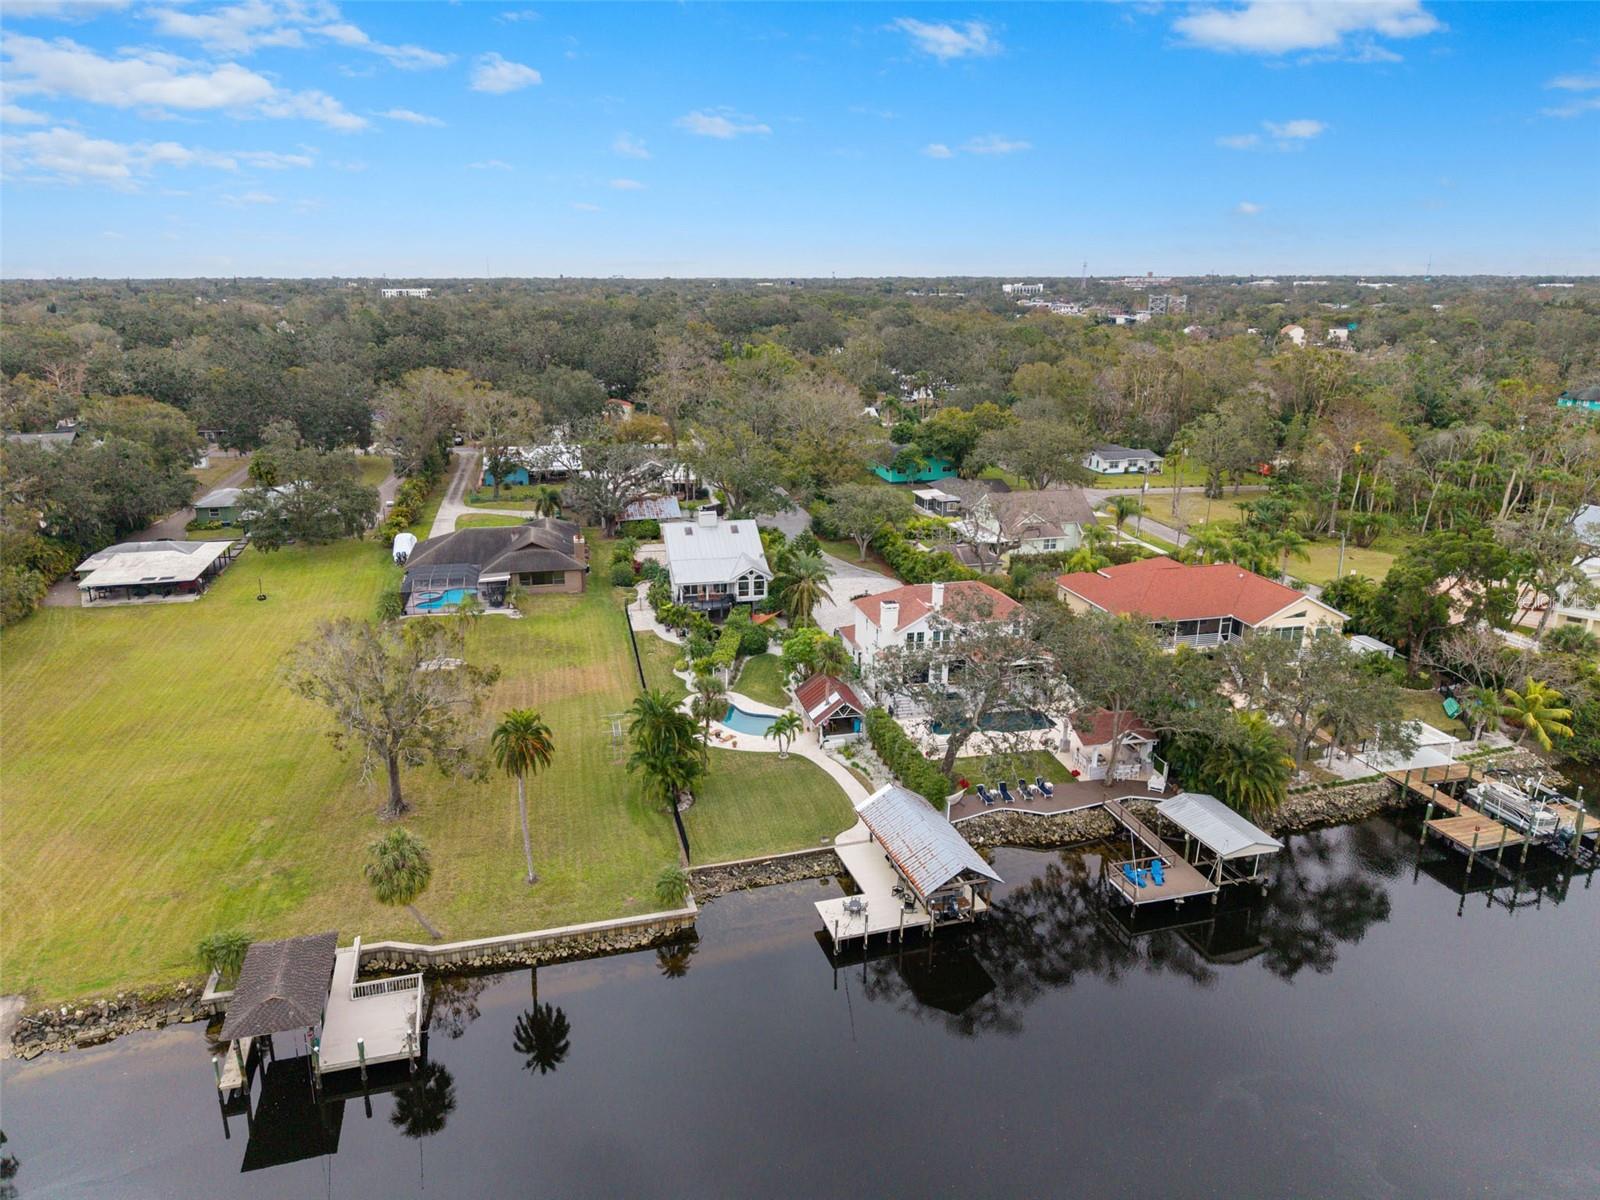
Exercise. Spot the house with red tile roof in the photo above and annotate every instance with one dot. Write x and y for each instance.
(919, 615)
(830, 706)
(1090, 734)
(1198, 604)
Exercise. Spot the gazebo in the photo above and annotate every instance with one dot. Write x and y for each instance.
(1221, 843)
(282, 986)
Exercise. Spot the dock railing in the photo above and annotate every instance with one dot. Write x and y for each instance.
(384, 987)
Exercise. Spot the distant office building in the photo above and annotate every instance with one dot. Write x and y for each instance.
(411, 293)
(1166, 303)
(1022, 289)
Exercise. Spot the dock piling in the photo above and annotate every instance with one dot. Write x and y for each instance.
(361, 1054)
(216, 1065)
(1426, 817)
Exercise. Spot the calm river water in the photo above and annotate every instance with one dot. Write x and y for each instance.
(1365, 1030)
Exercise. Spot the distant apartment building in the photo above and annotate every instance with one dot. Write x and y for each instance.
(1022, 289)
(409, 293)
(1163, 304)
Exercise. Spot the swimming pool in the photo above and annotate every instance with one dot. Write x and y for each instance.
(451, 598)
(747, 722)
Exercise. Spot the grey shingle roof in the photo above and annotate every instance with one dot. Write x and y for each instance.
(282, 986)
(542, 544)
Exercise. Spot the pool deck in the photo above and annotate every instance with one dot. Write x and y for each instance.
(1069, 797)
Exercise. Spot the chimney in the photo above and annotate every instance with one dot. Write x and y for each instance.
(938, 596)
(706, 518)
(889, 616)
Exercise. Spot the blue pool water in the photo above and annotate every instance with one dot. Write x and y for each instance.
(746, 722)
(447, 599)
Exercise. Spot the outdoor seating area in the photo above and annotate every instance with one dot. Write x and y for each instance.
(1062, 796)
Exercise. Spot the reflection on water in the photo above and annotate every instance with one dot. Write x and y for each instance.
(1099, 1044)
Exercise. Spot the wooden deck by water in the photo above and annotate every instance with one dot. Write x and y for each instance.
(877, 909)
(1182, 881)
(385, 1015)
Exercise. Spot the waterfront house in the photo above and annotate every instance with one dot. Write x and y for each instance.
(541, 555)
(1199, 605)
(919, 615)
(903, 464)
(145, 572)
(1112, 459)
(714, 563)
(831, 707)
(1033, 522)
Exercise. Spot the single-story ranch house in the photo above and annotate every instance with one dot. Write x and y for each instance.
(902, 464)
(1123, 460)
(1199, 605)
(541, 555)
(555, 462)
(715, 563)
(142, 572)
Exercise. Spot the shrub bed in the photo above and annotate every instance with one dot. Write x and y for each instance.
(901, 755)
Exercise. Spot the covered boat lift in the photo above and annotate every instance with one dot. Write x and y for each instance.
(1217, 841)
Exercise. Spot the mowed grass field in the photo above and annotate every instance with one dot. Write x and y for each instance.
(162, 782)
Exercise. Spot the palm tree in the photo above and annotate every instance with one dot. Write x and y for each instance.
(1481, 704)
(1287, 542)
(672, 886)
(784, 730)
(673, 959)
(1123, 506)
(667, 748)
(546, 501)
(803, 584)
(710, 701)
(1248, 766)
(1210, 543)
(1537, 709)
(398, 868)
(523, 744)
(542, 1036)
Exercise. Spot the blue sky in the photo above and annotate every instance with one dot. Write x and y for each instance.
(293, 137)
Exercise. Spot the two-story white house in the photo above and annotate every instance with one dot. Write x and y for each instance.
(1034, 522)
(919, 615)
(715, 563)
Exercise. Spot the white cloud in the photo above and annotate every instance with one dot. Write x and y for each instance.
(62, 155)
(148, 79)
(233, 29)
(407, 58)
(629, 146)
(66, 10)
(249, 199)
(1576, 108)
(489, 164)
(627, 185)
(524, 14)
(1580, 104)
(497, 75)
(582, 206)
(1301, 129)
(993, 143)
(720, 123)
(1281, 135)
(1282, 26)
(946, 40)
(271, 160)
(1575, 83)
(1247, 208)
(15, 114)
(409, 117)
(938, 150)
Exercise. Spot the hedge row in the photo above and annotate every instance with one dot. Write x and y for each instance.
(727, 651)
(409, 501)
(901, 755)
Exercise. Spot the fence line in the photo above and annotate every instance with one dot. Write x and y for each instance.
(638, 665)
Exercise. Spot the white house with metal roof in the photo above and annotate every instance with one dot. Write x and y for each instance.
(141, 572)
(715, 563)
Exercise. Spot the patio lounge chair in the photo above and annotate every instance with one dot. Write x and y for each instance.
(1133, 875)
(985, 795)
(1005, 793)
(1029, 792)
(1044, 785)
(1158, 872)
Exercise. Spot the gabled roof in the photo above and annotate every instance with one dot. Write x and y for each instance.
(653, 508)
(710, 549)
(1094, 728)
(1164, 590)
(542, 544)
(1216, 826)
(928, 851)
(916, 601)
(282, 986)
(822, 697)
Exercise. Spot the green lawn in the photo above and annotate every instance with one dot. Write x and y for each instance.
(1193, 473)
(753, 804)
(762, 680)
(1425, 706)
(480, 520)
(207, 478)
(375, 468)
(512, 495)
(846, 549)
(979, 769)
(659, 656)
(162, 782)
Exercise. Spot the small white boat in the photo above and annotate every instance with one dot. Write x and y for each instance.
(1515, 807)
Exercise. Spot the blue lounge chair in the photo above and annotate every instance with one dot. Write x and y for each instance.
(1005, 793)
(1029, 792)
(985, 795)
(1133, 875)
(1044, 785)
(1158, 872)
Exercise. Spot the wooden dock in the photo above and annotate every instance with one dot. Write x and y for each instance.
(1475, 833)
(1424, 783)
(1182, 880)
(373, 1021)
(877, 908)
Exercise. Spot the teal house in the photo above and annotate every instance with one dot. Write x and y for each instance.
(903, 464)
(1587, 399)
